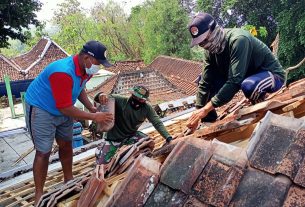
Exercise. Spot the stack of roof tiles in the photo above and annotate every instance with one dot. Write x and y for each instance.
(204, 173)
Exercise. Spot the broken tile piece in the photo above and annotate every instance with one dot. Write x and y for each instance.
(142, 178)
(295, 197)
(164, 196)
(221, 176)
(258, 188)
(193, 202)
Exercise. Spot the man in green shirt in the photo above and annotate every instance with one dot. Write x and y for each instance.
(130, 113)
(233, 60)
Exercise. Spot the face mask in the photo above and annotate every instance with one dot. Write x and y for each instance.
(135, 104)
(93, 69)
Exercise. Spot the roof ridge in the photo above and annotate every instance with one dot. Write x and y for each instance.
(13, 64)
(41, 56)
(176, 58)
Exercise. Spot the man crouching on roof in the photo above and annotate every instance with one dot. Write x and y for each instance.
(130, 113)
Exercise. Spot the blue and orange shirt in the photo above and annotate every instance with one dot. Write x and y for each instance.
(57, 86)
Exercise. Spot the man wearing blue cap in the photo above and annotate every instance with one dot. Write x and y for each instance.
(233, 60)
(50, 108)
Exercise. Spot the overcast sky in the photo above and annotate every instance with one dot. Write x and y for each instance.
(49, 6)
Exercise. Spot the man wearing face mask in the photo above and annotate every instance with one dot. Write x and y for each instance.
(233, 60)
(130, 113)
(50, 108)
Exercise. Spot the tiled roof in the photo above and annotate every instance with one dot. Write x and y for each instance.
(52, 53)
(26, 59)
(188, 87)
(9, 68)
(267, 171)
(178, 73)
(126, 66)
(30, 64)
(185, 69)
(161, 90)
(181, 73)
(204, 173)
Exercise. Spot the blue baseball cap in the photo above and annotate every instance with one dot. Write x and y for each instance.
(200, 26)
(98, 51)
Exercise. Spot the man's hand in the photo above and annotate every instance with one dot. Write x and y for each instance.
(103, 117)
(193, 121)
(92, 109)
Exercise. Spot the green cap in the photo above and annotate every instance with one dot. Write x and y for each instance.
(140, 91)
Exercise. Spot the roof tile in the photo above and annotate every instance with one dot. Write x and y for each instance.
(295, 197)
(193, 202)
(221, 176)
(258, 188)
(182, 167)
(138, 185)
(278, 146)
(164, 196)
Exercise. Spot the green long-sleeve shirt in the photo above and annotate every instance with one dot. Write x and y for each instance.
(128, 120)
(243, 56)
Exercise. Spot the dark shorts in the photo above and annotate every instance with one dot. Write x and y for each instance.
(45, 127)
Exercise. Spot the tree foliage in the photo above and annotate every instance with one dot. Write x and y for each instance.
(154, 28)
(237, 13)
(163, 24)
(15, 16)
(291, 26)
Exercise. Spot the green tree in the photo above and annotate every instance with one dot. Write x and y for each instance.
(75, 28)
(165, 29)
(237, 13)
(15, 16)
(114, 30)
(291, 26)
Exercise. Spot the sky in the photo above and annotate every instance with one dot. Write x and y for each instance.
(49, 6)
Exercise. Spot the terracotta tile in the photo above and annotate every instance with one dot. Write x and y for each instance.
(164, 196)
(295, 197)
(93, 189)
(220, 178)
(185, 163)
(293, 164)
(300, 176)
(258, 188)
(142, 178)
(193, 202)
(278, 146)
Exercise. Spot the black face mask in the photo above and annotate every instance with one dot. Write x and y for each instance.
(135, 104)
